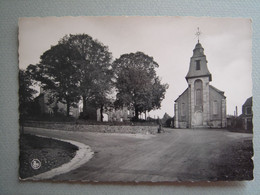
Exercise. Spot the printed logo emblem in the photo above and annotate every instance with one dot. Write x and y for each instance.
(35, 163)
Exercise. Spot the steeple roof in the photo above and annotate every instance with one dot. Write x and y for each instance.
(198, 64)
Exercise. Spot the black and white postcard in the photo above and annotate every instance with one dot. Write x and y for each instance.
(135, 99)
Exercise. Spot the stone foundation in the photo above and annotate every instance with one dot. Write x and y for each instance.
(215, 124)
(183, 125)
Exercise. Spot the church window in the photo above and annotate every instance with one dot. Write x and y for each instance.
(198, 97)
(198, 92)
(183, 109)
(197, 64)
(215, 107)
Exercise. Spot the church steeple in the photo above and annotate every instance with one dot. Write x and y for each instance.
(198, 64)
(200, 105)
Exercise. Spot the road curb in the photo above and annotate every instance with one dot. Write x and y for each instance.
(83, 155)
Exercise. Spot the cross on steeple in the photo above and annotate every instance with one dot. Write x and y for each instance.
(198, 33)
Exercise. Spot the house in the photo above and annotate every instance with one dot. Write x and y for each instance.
(47, 107)
(111, 114)
(247, 115)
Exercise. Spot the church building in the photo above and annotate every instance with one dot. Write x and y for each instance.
(201, 105)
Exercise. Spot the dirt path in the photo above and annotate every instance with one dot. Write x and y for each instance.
(174, 155)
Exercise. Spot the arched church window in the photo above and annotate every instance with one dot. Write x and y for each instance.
(215, 107)
(183, 109)
(198, 93)
(198, 97)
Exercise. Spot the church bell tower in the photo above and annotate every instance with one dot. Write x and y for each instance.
(198, 79)
(201, 105)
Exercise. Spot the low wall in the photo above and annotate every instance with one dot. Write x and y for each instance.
(215, 124)
(95, 128)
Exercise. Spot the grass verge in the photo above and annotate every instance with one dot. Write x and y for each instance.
(51, 154)
(235, 163)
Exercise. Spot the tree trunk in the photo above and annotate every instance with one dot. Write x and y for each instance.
(68, 108)
(136, 113)
(145, 115)
(84, 105)
(101, 113)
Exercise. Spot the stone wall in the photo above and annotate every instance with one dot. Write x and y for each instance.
(183, 125)
(215, 124)
(95, 128)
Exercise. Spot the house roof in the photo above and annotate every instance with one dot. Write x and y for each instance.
(248, 102)
(181, 94)
(214, 88)
(217, 90)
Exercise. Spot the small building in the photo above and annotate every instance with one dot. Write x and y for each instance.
(111, 114)
(247, 114)
(201, 105)
(47, 107)
(231, 121)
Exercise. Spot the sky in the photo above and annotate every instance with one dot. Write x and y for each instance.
(227, 44)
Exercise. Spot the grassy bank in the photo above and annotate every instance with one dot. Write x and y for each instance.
(235, 163)
(51, 153)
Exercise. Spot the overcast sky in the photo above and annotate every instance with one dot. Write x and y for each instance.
(169, 40)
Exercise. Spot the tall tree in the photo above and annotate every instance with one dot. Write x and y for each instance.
(158, 94)
(57, 74)
(94, 69)
(137, 85)
(26, 93)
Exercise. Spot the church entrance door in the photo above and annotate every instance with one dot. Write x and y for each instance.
(198, 118)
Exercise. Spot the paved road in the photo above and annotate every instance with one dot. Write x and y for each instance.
(177, 154)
